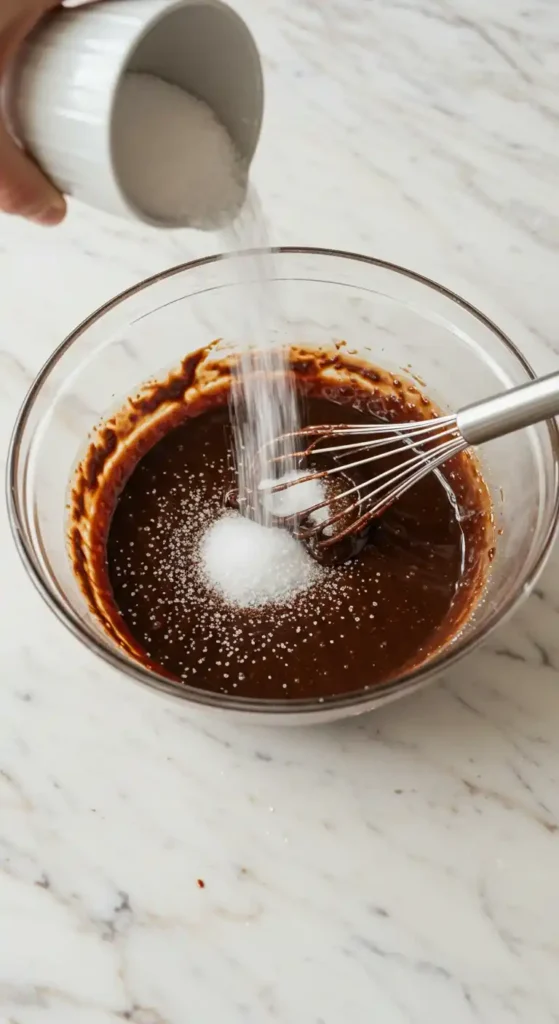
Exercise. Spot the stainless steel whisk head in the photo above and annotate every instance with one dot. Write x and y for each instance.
(399, 455)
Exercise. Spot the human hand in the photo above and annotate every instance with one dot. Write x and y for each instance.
(24, 189)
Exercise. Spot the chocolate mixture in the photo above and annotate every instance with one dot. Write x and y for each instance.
(156, 478)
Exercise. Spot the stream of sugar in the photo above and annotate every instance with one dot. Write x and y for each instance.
(263, 396)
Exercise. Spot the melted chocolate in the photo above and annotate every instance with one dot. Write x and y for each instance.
(418, 573)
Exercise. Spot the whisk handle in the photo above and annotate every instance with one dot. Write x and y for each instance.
(520, 407)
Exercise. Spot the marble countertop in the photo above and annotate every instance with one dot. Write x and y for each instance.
(401, 867)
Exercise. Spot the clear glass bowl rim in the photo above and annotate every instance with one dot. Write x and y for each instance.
(354, 701)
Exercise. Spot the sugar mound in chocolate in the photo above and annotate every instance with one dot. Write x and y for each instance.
(296, 498)
(252, 565)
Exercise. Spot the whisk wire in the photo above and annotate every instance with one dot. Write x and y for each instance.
(410, 472)
(431, 443)
(341, 450)
(434, 442)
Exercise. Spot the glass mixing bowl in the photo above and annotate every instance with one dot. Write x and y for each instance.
(390, 316)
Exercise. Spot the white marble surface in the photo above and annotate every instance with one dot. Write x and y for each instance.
(401, 868)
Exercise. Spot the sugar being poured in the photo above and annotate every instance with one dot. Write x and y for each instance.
(247, 558)
(177, 163)
(264, 402)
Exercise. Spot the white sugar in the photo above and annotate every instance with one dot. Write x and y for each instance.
(265, 408)
(295, 499)
(252, 565)
(175, 161)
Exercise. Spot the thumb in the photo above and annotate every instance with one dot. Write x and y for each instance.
(24, 190)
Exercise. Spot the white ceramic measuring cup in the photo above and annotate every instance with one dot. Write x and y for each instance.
(61, 94)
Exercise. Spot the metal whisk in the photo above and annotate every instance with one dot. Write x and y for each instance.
(412, 449)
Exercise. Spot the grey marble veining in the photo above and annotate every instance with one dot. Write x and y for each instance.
(399, 869)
